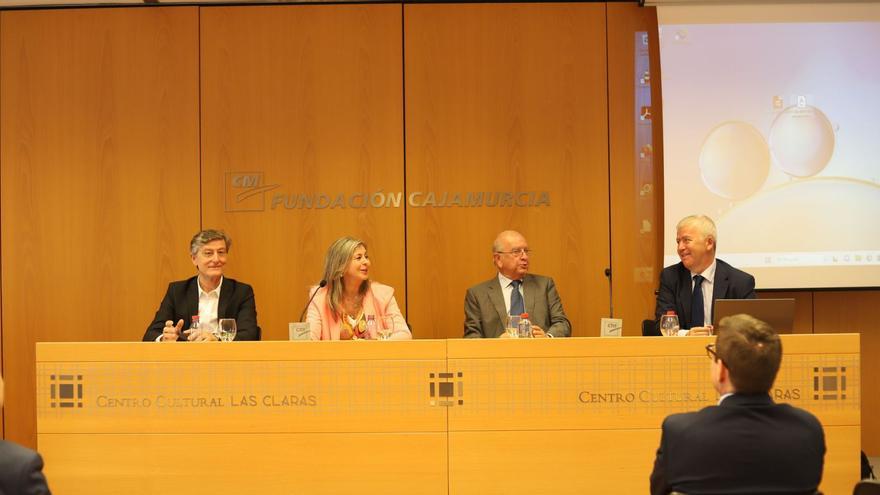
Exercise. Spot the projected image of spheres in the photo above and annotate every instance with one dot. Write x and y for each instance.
(734, 160)
(802, 141)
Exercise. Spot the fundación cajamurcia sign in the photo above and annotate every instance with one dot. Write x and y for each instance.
(248, 191)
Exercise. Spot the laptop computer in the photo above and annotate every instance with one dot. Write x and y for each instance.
(778, 313)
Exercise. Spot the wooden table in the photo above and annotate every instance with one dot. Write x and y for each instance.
(578, 415)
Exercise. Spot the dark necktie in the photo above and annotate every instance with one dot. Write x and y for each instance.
(516, 301)
(698, 314)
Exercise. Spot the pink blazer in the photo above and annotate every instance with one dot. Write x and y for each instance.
(379, 301)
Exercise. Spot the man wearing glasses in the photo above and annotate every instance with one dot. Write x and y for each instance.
(512, 292)
(747, 443)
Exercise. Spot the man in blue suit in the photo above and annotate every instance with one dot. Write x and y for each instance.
(691, 286)
(21, 469)
(747, 443)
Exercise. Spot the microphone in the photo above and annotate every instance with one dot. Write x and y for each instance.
(321, 284)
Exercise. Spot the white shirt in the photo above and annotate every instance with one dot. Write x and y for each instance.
(507, 290)
(708, 286)
(721, 399)
(208, 305)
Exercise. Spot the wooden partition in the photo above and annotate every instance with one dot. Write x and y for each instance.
(842, 311)
(99, 168)
(302, 143)
(249, 417)
(636, 170)
(456, 416)
(506, 99)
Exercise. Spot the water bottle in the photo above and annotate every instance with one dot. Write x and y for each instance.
(669, 324)
(194, 328)
(524, 329)
(371, 327)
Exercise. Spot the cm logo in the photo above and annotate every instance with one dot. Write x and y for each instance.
(245, 191)
(246, 180)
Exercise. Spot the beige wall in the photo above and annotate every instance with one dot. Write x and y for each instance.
(121, 131)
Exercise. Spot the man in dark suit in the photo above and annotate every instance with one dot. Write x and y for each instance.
(21, 469)
(514, 291)
(747, 443)
(208, 295)
(691, 286)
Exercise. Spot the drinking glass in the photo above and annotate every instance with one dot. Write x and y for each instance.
(227, 329)
(669, 325)
(386, 327)
(512, 327)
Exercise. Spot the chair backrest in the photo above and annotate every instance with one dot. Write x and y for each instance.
(648, 328)
(867, 487)
(817, 492)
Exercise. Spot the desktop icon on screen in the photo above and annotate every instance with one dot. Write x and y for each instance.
(778, 102)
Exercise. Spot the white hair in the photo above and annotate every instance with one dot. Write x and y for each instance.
(704, 225)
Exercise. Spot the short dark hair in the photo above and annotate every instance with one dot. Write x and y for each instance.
(751, 350)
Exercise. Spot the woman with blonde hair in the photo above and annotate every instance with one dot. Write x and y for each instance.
(351, 306)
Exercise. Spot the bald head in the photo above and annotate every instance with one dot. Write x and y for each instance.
(511, 254)
(505, 239)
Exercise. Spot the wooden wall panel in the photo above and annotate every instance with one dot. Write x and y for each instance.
(636, 198)
(308, 99)
(99, 165)
(857, 311)
(506, 98)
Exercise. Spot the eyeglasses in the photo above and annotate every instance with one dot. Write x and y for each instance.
(713, 355)
(710, 351)
(519, 253)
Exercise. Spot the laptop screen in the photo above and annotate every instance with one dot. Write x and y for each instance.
(778, 313)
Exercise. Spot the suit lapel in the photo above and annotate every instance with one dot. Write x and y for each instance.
(497, 299)
(530, 289)
(191, 301)
(720, 283)
(226, 291)
(685, 293)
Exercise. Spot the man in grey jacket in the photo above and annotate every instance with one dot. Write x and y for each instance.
(514, 291)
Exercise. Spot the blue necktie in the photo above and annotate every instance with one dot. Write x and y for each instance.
(516, 301)
(698, 315)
